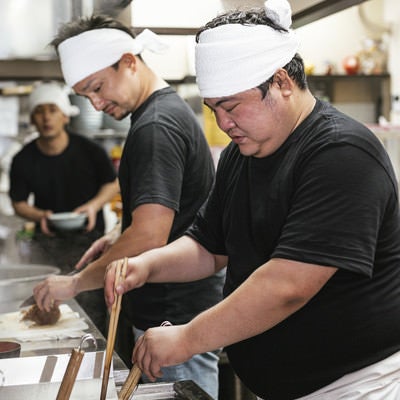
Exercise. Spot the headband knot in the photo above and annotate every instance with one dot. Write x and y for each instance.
(280, 12)
(232, 58)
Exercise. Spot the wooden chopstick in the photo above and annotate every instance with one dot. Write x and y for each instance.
(112, 328)
(130, 383)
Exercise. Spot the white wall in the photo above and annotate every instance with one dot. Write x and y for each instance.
(332, 38)
(392, 17)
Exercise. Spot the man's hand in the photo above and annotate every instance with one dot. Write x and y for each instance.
(136, 276)
(54, 290)
(97, 248)
(91, 213)
(44, 226)
(161, 347)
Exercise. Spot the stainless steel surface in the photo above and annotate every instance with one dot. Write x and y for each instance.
(51, 368)
(39, 350)
(84, 389)
(18, 280)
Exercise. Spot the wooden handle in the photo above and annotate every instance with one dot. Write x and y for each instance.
(130, 384)
(120, 273)
(70, 374)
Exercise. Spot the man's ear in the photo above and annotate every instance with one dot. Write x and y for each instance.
(283, 81)
(128, 60)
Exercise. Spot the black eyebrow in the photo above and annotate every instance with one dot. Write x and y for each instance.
(88, 84)
(218, 103)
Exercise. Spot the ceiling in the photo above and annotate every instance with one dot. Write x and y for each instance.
(304, 12)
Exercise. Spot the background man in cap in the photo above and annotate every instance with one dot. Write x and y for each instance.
(64, 172)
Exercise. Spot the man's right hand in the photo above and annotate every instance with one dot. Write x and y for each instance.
(44, 226)
(97, 248)
(137, 274)
(54, 290)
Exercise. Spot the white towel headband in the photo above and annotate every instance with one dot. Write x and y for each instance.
(96, 49)
(233, 58)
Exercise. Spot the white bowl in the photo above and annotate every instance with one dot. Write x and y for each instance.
(67, 221)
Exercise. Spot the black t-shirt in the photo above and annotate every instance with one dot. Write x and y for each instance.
(64, 181)
(166, 160)
(328, 196)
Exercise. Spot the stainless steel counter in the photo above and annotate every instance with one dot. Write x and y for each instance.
(14, 250)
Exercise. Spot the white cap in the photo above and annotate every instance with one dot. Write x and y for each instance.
(52, 93)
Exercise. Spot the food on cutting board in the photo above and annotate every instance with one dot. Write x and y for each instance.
(41, 317)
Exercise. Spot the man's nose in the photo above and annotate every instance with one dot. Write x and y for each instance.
(97, 102)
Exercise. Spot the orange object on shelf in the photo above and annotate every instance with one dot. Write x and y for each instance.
(115, 154)
(116, 205)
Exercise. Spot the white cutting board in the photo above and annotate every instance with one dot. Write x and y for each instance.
(70, 325)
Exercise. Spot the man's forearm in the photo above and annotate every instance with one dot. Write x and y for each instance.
(24, 210)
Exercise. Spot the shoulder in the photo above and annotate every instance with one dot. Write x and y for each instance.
(165, 106)
(327, 127)
(28, 150)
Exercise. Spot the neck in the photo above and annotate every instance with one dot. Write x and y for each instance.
(55, 145)
(307, 105)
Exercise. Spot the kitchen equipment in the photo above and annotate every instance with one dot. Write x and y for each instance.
(9, 349)
(18, 280)
(72, 369)
(89, 121)
(120, 273)
(40, 377)
(182, 390)
(67, 221)
(30, 301)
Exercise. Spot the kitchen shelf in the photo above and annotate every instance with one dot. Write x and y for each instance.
(354, 89)
(30, 69)
(371, 90)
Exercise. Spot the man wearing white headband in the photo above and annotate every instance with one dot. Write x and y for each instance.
(64, 172)
(166, 172)
(305, 215)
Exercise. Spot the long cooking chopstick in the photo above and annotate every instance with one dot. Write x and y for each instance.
(112, 328)
(130, 383)
(133, 378)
